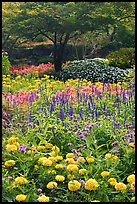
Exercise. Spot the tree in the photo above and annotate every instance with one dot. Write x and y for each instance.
(56, 21)
(62, 21)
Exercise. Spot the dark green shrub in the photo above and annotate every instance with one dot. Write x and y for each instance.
(122, 58)
(5, 63)
(92, 70)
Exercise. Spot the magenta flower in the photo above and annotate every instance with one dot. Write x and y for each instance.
(22, 148)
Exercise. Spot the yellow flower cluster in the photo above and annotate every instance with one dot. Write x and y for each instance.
(81, 159)
(120, 186)
(111, 156)
(11, 147)
(82, 171)
(9, 163)
(60, 178)
(43, 198)
(105, 173)
(74, 185)
(21, 197)
(69, 155)
(45, 161)
(131, 178)
(91, 184)
(51, 185)
(13, 140)
(72, 167)
(90, 159)
(21, 180)
(112, 181)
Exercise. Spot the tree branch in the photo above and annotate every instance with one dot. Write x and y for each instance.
(41, 32)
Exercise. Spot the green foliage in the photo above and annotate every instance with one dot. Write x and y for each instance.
(123, 58)
(5, 63)
(93, 70)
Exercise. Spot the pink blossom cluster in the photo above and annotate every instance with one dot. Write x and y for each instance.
(27, 69)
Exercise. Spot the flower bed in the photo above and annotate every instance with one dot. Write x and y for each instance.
(74, 142)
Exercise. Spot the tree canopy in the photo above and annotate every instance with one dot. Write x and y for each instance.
(62, 21)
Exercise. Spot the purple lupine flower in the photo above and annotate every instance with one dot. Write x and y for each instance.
(123, 137)
(71, 111)
(9, 177)
(104, 107)
(115, 143)
(75, 158)
(22, 148)
(115, 151)
(61, 114)
(51, 108)
(80, 112)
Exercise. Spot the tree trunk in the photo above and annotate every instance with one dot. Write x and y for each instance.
(58, 53)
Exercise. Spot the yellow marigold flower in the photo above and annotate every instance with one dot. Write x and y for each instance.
(72, 167)
(49, 145)
(53, 159)
(70, 176)
(105, 173)
(91, 184)
(40, 148)
(108, 156)
(9, 163)
(74, 185)
(69, 155)
(21, 180)
(95, 201)
(51, 185)
(47, 162)
(131, 178)
(58, 158)
(70, 161)
(82, 171)
(120, 186)
(52, 153)
(12, 140)
(52, 171)
(21, 197)
(58, 166)
(112, 181)
(41, 159)
(11, 147)
(81, 159)
(90, 159)
(60, 178)
(43, 198)
(56, 149)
